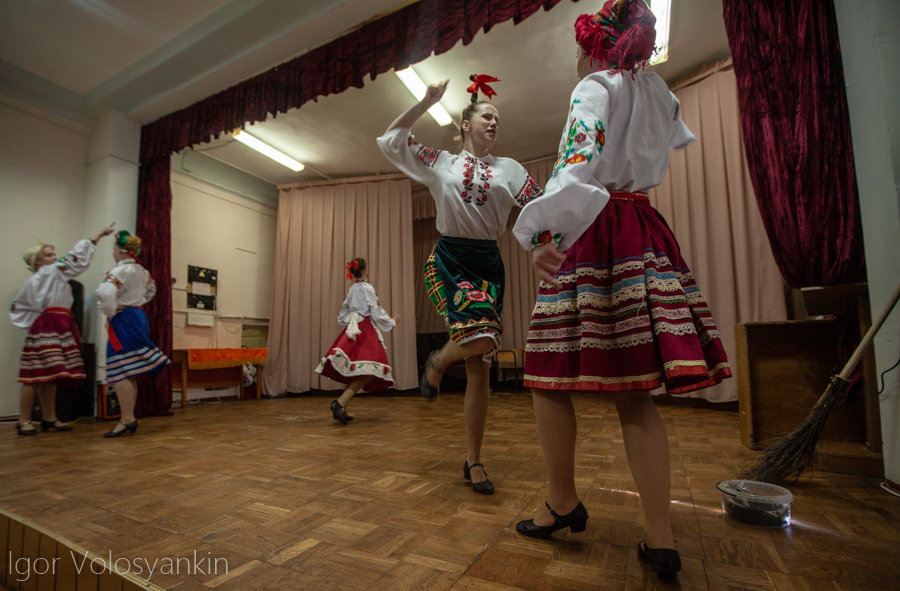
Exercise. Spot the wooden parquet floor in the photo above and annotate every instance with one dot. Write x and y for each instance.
(293, 500)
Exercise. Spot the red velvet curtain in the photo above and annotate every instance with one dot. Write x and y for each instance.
(796, 127)
(154, 226)
(395, 41)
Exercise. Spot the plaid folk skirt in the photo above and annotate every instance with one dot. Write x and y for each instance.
(465, 280)
(628, 314)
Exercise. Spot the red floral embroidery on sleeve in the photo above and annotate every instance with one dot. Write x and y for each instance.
(529, 192)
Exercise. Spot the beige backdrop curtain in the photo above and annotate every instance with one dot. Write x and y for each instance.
(320, 228)
(708, 201)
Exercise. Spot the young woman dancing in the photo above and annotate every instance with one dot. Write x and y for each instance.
(474, 193)
(618, 310)
(358, 357)
(52, 350)
(129, 351)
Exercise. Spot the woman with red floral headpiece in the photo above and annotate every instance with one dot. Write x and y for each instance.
(474, 193)
(358, 357)
(618, 309)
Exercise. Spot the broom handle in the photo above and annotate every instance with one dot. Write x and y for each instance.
(870, 334)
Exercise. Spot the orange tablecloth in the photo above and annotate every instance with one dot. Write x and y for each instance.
(216, 358)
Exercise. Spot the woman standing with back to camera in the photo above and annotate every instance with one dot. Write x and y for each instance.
(473, 193)
(618, 310)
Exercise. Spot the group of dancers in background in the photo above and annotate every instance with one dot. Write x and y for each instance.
(618, 309)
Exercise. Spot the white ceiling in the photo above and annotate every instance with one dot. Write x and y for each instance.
(147, 58)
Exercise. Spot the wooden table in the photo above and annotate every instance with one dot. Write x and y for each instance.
(205, 368)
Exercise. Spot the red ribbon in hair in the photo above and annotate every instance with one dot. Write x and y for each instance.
(480, 83)
(352, 265)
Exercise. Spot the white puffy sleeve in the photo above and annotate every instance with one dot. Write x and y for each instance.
(352, 303)
(523, 188)
(25, 309)
(76, 262)
(679, 136)
(410, 157)
(108, 293)
(379, 317)
(573, 197)
(149, 290)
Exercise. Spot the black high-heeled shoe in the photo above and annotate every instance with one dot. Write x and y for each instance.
(484, 487)
(576, 521)
(47, 425)
(129, 428)
(666, 561)
(337, 411)
(27, 432)
(428, 391)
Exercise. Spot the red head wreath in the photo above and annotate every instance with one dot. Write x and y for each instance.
(354, 265)
(620, 36)
(480, 83)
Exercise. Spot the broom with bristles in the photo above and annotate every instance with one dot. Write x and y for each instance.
(787, 459)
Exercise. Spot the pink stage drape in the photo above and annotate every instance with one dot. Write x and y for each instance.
(320, 228)
(796, 126)
(395, 41)
(707, 199)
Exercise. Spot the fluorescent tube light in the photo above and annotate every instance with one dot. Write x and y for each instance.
(417, 88)
(247, 139)
(662, 9)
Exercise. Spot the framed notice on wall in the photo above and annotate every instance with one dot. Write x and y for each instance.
(201, 288)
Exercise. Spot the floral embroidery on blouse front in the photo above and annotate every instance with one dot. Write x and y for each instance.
(468, 296)
(428, 156)
(110, 278)
(529, 192)
(472, 167)
(575, 151)
(545, 237)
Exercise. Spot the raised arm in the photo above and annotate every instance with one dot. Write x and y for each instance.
(433, 95)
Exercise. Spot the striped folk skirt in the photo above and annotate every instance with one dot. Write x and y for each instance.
(129, 352)
(628, 314)
(465, 280)
(52, 349)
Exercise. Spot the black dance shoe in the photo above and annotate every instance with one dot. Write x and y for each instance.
(337, 411)
(666, 561)
(484, 487)
(27, 432)
(47, 425)
(576, 521)
(129, 428)
(428, 391)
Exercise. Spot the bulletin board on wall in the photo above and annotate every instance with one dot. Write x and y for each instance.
(202, 285)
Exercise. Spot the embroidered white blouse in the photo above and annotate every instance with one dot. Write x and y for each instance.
(49, 286)
(362, 300)
(618, 136)
(473, 196)
(127, 285)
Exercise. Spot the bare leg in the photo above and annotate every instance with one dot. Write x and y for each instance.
(26, 403)
(126, 392)
(478, 395)
(354, 387)
(647, 448)
(47, 393)
(558, 427)
(451, 352)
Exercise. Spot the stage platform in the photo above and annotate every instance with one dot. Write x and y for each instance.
(292, 500)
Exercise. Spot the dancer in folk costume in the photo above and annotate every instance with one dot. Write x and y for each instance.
(358, 356)
(618, 310)
(52, 351)
(129, 351)
(473, 193)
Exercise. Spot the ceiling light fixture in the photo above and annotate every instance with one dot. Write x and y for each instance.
(662, 10)
(417, 88)
(248, 140)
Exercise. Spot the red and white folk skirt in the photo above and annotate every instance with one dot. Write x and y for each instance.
(52, 349)
(628, 314)
(358, 352)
